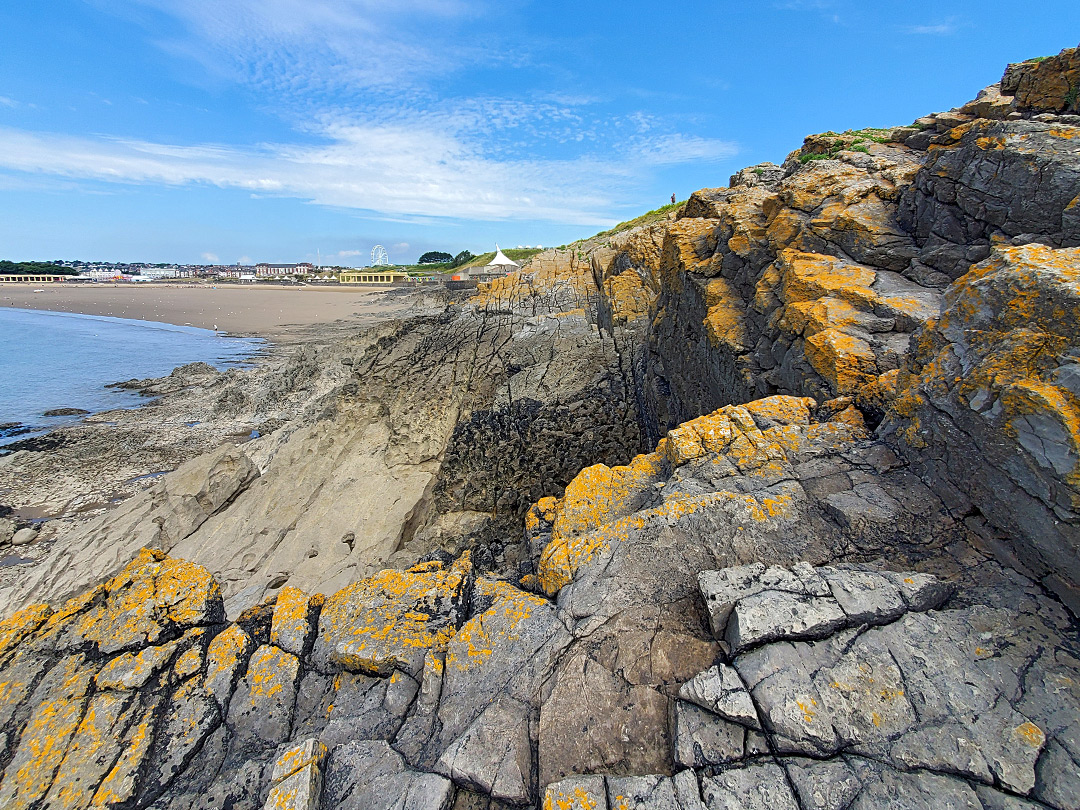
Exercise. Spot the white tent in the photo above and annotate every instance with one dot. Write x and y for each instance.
(500, 266)
(501, 260)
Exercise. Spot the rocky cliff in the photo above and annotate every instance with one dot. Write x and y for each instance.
(769, 504)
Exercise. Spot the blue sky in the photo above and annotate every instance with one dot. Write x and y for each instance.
(267, 130)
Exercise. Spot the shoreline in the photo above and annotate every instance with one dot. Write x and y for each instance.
(273, 312)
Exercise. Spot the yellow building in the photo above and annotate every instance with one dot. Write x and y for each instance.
(371, 275)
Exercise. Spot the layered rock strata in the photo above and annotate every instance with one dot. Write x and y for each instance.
(840, 577)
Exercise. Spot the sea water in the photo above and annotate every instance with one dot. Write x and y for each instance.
(63, 360)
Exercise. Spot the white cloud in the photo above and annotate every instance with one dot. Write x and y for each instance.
(940, 29)
(8, 102)
(358, 79)
(397, 170)
(294, 47)
(244, 260)
(211, 258)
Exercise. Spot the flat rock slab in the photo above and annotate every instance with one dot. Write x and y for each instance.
(753, 604)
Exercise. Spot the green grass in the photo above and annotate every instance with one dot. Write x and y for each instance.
(647, 218)
(815, 156)
(1071, 97)
(1037, 59)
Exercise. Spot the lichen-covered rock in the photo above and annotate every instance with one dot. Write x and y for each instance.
(152, 598)
(297, 778)
(990, 404)
(576, 793)
(393, 619)
(261, 709)
(490, 692)
(857, 645)
(1048, 85)
(294, 622)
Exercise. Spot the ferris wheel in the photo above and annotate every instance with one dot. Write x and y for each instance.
(379, 257)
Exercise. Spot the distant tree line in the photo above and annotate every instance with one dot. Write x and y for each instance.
(440, 257)
(35, 269)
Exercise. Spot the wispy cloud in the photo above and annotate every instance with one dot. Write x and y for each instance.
(363, 83)
(396, 170)
(211, 257)
(295, 47)
(8, 102)
(939, 29)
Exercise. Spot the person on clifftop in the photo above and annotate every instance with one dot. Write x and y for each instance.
(672, 199)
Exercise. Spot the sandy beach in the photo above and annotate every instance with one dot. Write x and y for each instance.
(273, 312)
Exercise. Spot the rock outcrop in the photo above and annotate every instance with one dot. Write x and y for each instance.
(769, 504)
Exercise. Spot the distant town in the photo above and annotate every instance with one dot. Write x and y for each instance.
(433, 266)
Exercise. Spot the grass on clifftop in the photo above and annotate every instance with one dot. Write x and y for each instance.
(648, 218)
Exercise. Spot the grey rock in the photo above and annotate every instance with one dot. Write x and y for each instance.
(687, 790)
(495, 754)
(771, 615)
(367, 708)
(720, 690)
(701, 738)
(823, 784)
(370, 775)
(24, 536)
(725, 588)
(759, 786)
(916, 791)
(642, 793)
(1057, 777)
(261, 708)
(864, 596)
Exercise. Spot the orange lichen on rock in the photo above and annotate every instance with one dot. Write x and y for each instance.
(152, 595)
(392, 619)
(627, 296)
(724, 320)
(21, 625)
(845, 362)
(227, 654)
(783, 410)
(45, 739)
(293, 625)
(131, 670)
(599, 492)
(121, 782)
(92, 749)
(1012, 318)
(810, 276)
(811, 317)
(498, 625)
(602, 503)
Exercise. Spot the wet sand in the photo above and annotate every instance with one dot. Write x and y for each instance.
(270, 311)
